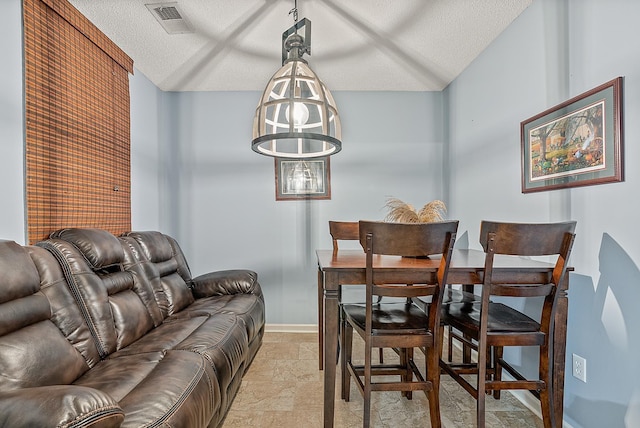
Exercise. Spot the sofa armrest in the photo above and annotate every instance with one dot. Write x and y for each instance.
(59, 405)
(226, 282)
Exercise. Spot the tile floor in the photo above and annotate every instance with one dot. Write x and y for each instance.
(283, 389)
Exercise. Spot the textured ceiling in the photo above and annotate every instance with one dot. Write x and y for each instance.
(358, 45)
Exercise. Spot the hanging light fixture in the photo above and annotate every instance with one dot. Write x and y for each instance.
(297, 116)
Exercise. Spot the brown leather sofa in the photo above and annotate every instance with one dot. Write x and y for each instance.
(101, 331)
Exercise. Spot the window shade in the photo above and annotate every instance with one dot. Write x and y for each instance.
(77, 123)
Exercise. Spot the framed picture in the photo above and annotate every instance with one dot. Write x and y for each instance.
(302, 179)
(576, 143)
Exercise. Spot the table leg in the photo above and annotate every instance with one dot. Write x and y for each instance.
(320, 319)
(559, 350)
(330, 346)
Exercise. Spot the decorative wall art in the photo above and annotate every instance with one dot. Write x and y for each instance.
(302, 179)
(576, 143)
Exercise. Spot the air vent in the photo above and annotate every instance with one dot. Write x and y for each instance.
(170, 17)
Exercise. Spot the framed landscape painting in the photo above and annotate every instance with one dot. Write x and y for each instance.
(576, 143)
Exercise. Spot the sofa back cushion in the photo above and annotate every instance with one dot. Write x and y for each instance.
(93, 262)
(165, 266)
(33, 350)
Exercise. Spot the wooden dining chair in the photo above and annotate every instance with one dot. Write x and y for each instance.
(492, 325)
(347, 231)
(401, 325)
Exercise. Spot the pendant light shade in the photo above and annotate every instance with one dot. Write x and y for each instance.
(297, 116)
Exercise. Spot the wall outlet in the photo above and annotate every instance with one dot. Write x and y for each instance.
(580, 368)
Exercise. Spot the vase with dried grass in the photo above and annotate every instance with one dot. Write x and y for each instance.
(401, 212)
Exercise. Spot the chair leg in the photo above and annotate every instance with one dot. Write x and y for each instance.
(497, 369)
(432, 371)
(366, 420)
(346, 338)
(406, 355)
(546, 397)
(449, 344)
(481, 387)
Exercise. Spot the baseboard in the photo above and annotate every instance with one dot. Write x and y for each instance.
(291, 328)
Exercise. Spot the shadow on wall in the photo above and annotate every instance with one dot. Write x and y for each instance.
(604, 329)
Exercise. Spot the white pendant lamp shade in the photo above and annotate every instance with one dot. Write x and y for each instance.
(297, 116)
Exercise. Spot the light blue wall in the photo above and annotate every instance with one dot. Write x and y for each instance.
(146, 131)
(194, 176)
(11, 124)
(555, 50)
(222, 205)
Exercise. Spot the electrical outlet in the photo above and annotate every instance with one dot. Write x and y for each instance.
(580, 368)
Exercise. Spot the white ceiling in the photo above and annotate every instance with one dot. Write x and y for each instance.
(358, 45)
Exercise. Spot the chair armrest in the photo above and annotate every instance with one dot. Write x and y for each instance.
(59, 405)
(226, 282)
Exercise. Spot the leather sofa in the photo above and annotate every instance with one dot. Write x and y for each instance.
(101, 331)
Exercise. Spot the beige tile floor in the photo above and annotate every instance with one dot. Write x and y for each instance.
(283, 389)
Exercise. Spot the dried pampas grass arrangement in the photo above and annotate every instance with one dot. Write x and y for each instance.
(401, 212)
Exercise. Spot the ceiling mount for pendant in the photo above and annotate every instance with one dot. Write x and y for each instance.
(297, 116)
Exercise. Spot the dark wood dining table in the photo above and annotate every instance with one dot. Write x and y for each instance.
(347, 267)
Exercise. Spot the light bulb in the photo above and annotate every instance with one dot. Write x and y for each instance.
(300, 114)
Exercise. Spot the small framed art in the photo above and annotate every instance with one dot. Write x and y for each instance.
(302, 179)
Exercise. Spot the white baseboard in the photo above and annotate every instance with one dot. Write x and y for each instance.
(291, 328)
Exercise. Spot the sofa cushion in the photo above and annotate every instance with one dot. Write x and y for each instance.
(101, 248)
(220, 338)
(152, 260)
(18, 275)
(172, 389)
(113, 310)
(59, 406)
(66, 314)
(249, 308)
(33, 351)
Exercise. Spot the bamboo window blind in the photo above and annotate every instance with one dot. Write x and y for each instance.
(77, 123)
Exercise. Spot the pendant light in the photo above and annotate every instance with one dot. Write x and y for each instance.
(297, 117)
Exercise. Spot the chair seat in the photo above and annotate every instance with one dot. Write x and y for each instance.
(394, 318)
(502, 318)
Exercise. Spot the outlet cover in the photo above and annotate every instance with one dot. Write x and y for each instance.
(580, 367)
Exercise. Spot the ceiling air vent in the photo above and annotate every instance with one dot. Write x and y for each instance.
(170, 17)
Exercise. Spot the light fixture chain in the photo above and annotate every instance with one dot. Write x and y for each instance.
(294, 11)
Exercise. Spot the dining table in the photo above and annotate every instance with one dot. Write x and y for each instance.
(347, 267)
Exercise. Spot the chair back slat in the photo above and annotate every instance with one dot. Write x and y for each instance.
(407, 239)
(525, 239)
(343, 231)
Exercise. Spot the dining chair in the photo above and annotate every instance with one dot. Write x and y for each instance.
(346, 231)
(398, 324)
(489, 326)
